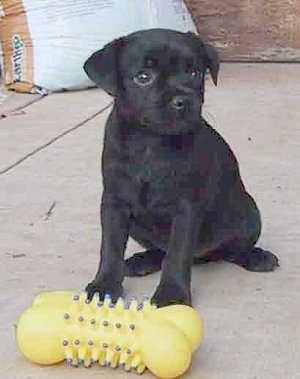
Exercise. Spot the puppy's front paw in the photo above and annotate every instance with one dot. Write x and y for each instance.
(170, 293)
(102, 287)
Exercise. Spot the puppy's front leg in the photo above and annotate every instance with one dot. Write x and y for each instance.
(174, 286)
(115, 216)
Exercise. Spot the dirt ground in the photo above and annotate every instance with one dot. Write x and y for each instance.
(50, 187)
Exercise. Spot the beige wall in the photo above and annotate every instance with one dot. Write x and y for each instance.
(250, 29)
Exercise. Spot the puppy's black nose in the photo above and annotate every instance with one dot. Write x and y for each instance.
(179, 102)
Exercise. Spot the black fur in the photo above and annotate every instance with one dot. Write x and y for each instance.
(170, 180)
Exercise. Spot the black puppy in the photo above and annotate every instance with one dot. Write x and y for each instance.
(170, 180)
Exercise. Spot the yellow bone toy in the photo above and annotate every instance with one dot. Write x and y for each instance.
(64, 326)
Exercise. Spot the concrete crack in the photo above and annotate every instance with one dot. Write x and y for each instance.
(21, 107)
(53, 140)
(50, 211)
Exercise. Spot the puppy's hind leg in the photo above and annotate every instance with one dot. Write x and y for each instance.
(242, 250)
(145, 262)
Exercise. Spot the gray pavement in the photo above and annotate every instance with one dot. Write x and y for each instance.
(50, 159)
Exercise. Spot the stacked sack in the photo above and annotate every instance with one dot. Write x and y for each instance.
(45, 43)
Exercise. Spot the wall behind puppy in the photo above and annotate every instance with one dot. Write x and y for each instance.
(250, 30)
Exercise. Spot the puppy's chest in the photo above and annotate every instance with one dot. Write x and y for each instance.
(156, 175)
(144, 165)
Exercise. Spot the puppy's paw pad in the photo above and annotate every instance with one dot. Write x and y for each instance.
(260, 260)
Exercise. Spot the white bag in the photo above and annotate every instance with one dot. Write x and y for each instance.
(45, 42)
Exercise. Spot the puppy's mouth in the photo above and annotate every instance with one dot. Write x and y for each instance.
(168, 122)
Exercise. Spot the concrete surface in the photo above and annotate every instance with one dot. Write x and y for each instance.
(50, 158)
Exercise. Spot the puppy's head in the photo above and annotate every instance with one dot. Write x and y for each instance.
(157, 77)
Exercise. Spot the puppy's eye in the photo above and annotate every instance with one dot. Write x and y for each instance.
(193, 73)
(143, 78)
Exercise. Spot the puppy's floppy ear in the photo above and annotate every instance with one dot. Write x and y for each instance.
(102, 66)
(209, 54)
(213, 61)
